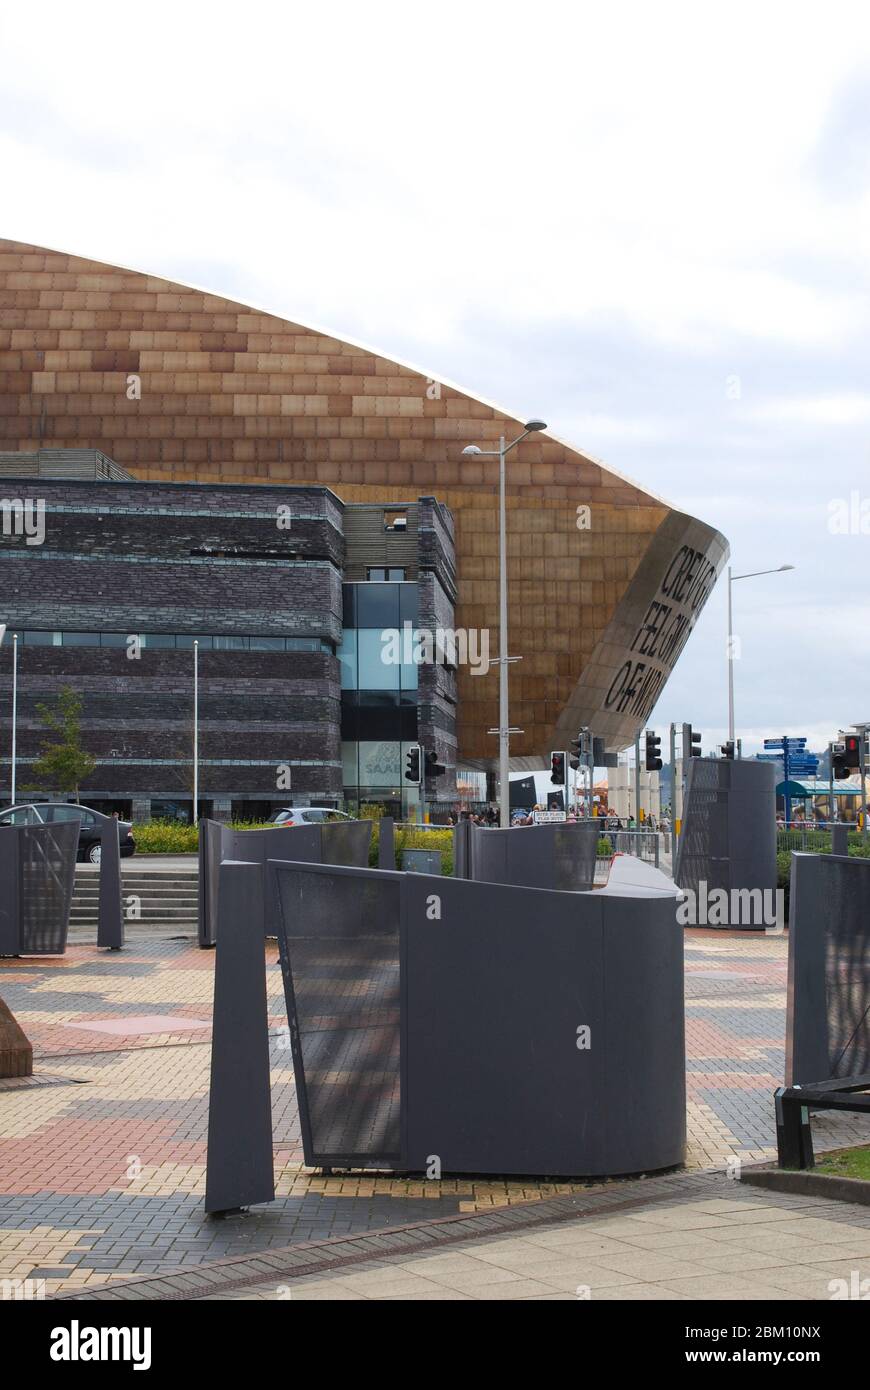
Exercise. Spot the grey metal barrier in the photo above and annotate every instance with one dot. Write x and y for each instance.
(728, 838)
(339, 842)
(421, 861)
(468, 1023)
(110, 920)
(642, 844)
(239, 1166)
(828, 1012)
(560, 857)
(37, 875)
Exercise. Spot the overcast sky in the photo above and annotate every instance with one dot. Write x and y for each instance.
(650, 227)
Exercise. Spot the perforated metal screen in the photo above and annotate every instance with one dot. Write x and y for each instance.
(339, 938)
(847, 965)
(46, 874)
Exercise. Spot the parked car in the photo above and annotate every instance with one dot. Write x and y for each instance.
(52, 812)
(308, 815)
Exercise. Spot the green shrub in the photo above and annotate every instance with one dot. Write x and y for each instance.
(176, 836)
(165, 837)
(415, 839)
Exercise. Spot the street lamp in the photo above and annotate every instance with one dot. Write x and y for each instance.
(732, 579)
(504, 731)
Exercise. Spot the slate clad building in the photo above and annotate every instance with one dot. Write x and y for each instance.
(179, 386)
(287, 592)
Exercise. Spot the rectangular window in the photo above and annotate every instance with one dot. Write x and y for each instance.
(347, 659)
(376, 672)
(267, 644)
(81, 639)
(160, 640)
(395, 519)
(38, 639)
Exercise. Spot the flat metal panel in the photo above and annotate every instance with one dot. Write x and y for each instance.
(239, 1167)
(110, 919)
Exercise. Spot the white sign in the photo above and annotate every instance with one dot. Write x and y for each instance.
(549, 817)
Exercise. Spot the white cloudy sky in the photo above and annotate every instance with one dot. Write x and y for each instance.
(650, 227)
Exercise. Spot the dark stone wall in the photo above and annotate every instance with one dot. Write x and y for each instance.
(118, 558)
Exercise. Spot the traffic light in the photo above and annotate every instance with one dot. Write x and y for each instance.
(433, 767)
(691, 743)
(846, 756)
(575, 752)
(727, 750)
(557, 769)
(412, 764)
(653, 751)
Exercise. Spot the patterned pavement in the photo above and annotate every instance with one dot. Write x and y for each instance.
(102, 1153)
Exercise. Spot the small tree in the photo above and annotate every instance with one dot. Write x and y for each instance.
(63, 764)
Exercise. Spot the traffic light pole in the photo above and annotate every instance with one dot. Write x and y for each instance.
(637, 782)
(674, 777)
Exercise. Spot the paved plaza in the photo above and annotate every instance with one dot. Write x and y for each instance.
(102, 1151)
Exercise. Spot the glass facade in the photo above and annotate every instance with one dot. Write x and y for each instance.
(378, 688)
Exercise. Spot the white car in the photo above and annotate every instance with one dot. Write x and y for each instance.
(308, 815)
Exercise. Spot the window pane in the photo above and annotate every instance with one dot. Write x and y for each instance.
(226, 643)
(377, 605)
(39, 639)
(267, 644)
(81, 639)
(349, 753)
(409, 673)
(379, 764)
(408, 605)
(158, 639)
(375, 673)
(114, 639)
(396, 575)
(347, 659)
(182, 640)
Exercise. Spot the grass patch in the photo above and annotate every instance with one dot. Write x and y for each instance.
(847, 1163)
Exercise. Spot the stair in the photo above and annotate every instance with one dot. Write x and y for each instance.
(168, 899)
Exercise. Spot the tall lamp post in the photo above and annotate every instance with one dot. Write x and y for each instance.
(732, 579)
(14, 714)
(195, 817)
(504, 730)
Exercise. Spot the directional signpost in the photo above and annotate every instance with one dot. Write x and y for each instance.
(796, 762)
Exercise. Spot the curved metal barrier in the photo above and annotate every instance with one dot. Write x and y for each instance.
(728, 839)
(442, 1025)
(339, 842)
(560, 857)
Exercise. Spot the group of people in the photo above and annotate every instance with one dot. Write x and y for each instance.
(610, 821)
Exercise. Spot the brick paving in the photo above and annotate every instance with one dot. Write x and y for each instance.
(102, 1153)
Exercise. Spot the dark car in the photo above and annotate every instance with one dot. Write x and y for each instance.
(52, 812)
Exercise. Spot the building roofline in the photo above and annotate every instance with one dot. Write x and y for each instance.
(364, 347)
